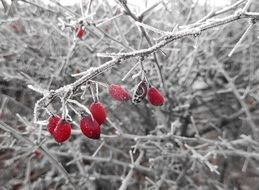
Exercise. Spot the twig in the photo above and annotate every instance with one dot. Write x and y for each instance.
(247, 5)
(242, 38)
(126, 180)
(150, 28)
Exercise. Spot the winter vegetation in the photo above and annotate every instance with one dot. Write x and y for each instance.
(103, 95)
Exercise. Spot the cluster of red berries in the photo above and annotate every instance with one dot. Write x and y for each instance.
(153, 94)
(60, 129)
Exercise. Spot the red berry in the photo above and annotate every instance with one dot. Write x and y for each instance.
(80, 32)
(90, 127)
(52, 123)
(36, 153)
(62, 131)
(14, 27)
(98, 111)
(154, 97)
(106, 28)
(119, 93)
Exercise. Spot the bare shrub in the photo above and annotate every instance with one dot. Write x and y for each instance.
(203, 60)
